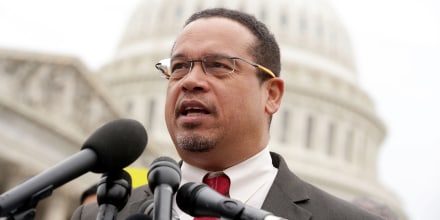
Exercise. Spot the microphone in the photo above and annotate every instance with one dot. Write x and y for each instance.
(139, 216)
(113, 146)
(163, 180)
(147, 208)
(146, 211)
(200, 200)
(113, 192)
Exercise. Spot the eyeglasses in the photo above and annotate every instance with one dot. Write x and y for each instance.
(216, 65)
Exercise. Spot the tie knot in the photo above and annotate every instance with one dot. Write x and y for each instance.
(218, 181)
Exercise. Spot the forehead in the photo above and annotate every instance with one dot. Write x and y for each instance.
(214, 35)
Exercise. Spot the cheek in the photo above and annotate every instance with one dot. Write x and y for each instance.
(168, 109)
(244, 105)
(170, 103)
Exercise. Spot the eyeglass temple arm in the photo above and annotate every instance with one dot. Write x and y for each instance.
(266, 70)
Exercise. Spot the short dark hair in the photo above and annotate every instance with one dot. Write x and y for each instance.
(266, 50)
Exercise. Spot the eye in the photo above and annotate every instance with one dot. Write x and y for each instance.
(215, 64)
(178, 65)
(219, 64)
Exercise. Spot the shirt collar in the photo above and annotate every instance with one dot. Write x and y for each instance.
(246, 177)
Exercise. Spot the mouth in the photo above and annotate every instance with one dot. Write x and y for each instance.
(189, 108)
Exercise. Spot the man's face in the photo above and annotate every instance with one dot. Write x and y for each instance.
(209, 116)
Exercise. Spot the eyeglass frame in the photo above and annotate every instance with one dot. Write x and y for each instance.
(202, 61)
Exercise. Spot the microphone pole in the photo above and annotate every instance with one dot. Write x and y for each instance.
(164, 180)
(113, 192)
(106, 149)
(145, 211)
(198, 199)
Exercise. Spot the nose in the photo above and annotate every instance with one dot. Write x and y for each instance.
(195, 80)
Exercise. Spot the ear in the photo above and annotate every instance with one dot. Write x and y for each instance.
(275, 90)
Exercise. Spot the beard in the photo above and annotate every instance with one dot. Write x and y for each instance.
(196, 143)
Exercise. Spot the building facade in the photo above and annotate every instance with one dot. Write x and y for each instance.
(327, 127)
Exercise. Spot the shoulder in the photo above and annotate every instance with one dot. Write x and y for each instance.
(85, 212)
(309, 199)
(138, 197)
(327, 206)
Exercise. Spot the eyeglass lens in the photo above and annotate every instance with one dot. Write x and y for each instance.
(214, 65)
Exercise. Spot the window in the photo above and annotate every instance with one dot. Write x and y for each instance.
(364, 152)
(129, 107)
(349, 146)
(179, 11)
(319, 27)
(284, 133)
(263, 14)
(309, 132)
(302, 22)
(151, 106)
(284, 19)
(330, 139)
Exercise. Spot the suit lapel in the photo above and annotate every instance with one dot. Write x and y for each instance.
(286, 193)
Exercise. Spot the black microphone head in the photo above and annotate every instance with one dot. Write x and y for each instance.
(164, 170)
(121, 176)
(200, 200)
(117, 144)
(114, 188)
(186, 196)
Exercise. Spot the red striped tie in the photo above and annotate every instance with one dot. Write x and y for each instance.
(221, 184)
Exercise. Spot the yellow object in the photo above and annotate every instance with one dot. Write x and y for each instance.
(138, 176)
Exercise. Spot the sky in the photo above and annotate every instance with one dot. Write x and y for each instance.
(397, 49)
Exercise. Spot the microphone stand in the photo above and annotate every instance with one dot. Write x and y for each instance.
(113, 192)
(163, 179)
(27, 210)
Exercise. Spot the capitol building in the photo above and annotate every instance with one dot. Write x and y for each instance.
(327, 127)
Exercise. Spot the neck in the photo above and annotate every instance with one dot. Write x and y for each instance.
(219, 159)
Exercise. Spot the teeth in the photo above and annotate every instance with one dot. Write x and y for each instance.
(193, 110)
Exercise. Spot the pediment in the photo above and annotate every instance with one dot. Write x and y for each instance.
(54, 90)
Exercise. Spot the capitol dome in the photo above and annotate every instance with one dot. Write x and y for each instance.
(308, 30)
(327, 127)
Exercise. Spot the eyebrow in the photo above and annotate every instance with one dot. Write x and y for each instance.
(181, 55)
(178, 56)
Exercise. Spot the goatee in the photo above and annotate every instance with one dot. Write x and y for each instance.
(195, 143)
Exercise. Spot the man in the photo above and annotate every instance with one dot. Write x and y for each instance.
(89, 195)
(223, 89)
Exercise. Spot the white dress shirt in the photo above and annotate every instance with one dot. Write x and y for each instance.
(250, 179)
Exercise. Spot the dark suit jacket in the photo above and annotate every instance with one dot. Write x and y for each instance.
(289, 197)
